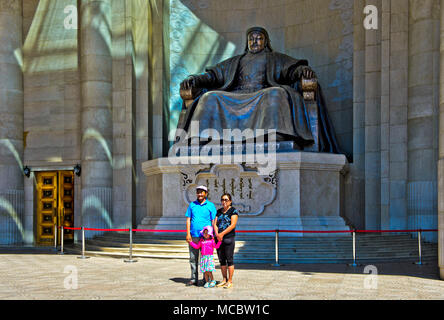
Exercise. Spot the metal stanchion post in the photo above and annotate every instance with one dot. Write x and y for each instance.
(354, 250)
(130, 260)
(55, 237)
(419, 249)
(276, 248)
(83, 245)
(61, 241)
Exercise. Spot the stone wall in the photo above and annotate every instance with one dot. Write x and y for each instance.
(11, 123)
(395, 114)
(51, 86)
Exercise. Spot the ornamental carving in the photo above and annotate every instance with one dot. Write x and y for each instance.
(251, 192)
(10, 6)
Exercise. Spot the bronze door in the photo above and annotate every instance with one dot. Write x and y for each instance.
(55, 205)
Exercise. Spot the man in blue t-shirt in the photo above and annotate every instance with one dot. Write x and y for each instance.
(200, 213)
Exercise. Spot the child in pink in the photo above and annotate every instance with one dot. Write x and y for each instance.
(207, 245)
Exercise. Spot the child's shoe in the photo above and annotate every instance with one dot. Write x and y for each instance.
(207, 285)
(212, 284)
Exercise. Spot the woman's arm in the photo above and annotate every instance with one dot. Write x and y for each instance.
(232, 225)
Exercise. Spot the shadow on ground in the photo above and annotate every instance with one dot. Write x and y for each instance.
(428, 270)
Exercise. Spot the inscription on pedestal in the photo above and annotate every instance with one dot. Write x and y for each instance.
(250, 191)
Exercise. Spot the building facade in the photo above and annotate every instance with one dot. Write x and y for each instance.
(93, 85)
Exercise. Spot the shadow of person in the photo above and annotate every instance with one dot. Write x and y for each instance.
(180, 280)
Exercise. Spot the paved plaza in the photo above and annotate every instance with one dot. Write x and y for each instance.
(27, 276)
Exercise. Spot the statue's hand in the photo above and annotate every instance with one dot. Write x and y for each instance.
(308, 73)
(188, 83)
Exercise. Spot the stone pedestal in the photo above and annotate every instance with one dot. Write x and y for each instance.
(298, 191)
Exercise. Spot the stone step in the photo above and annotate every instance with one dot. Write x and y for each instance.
(365, 240)
(240, 236)
(269, 243)
(268, 248)
(264, 250)
(247, 250)
(267, 259)
(253, 249)
(282, 241)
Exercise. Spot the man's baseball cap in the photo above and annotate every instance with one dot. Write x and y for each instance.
(202, 188)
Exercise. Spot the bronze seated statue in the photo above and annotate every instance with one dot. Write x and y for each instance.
(259, 89)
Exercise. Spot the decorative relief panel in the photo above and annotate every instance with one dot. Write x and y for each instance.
(250, 191)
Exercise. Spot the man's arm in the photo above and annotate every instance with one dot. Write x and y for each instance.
(188, 237)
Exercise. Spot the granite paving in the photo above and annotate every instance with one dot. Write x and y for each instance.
(28, 276)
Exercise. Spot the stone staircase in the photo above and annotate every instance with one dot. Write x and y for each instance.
(252, 248)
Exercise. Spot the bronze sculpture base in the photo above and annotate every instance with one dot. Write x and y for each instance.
(216, 148)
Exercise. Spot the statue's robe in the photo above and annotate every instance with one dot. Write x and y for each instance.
(256, 91)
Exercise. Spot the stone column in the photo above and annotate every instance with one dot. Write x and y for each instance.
(441, 152)
(142, 30)
(373, 125)
(97, 129)
(385, 112)
(394, 114)
(422, 114)
(357, 169)
(11, 122)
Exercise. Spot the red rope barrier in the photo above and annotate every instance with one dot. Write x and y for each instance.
(99, 229)
(254, 231)
(154, 230)
(382, 231)
(264, 231)
(315, 231)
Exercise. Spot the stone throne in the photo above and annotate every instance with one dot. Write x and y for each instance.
(308, 88)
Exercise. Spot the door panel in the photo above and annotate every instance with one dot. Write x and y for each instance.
(55, 205)
(66, 202)
(46, 206)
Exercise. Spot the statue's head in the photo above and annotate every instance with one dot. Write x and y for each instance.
(257, 40)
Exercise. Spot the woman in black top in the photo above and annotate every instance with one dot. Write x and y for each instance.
(225, 224)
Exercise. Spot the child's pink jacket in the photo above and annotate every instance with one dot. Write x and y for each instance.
(206, 246)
